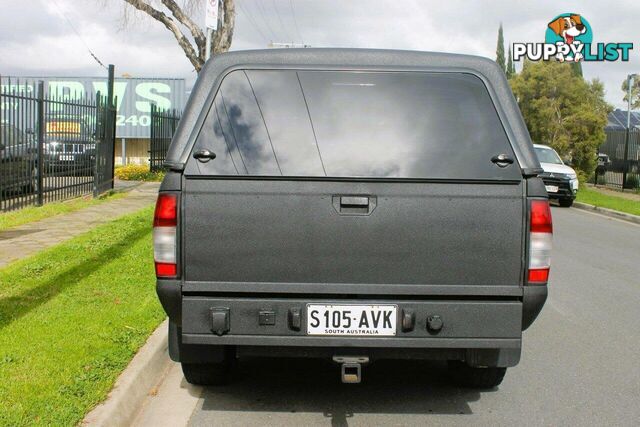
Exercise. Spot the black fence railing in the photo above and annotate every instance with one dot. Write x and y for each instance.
(619, 160)
(163, 126)
(52, 147)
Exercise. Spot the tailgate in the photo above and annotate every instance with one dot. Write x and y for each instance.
(297, 232)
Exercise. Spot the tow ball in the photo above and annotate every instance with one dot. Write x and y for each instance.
(351, 368)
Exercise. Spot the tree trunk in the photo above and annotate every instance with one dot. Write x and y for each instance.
(223, 37)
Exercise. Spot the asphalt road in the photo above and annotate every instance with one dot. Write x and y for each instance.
(580, 363)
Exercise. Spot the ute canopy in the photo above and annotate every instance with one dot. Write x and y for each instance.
(358, 113)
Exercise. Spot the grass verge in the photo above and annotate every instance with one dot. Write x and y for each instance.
(36, 213)
(71, 319)
(593, 197)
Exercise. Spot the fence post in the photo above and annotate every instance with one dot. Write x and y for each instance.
(152, 145)
(110, 81)
(123, 149)
(595, 178)
(112, 123)
(113, 112)
(98, 140)
(40, 139)
(625, 159)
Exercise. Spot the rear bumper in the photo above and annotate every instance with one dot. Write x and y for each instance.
(171, 292)
(475, 323)
(480, 324)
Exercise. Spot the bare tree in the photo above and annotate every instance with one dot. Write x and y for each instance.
(177, 17)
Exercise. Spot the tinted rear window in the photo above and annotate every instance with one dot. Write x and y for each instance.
(354, 124)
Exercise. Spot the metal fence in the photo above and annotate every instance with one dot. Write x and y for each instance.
(619, 160)
(53, 147)
(163, 126)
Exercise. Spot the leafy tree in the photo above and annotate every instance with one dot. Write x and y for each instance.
(511, 67)
(635, 92)
(500, 50)
(563, 110)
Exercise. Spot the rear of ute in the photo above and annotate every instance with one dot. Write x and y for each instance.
(377, 204)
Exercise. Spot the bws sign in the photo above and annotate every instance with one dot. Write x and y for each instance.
(134, 97)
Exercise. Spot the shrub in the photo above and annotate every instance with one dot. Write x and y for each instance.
(137, 173)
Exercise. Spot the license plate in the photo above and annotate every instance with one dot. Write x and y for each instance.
(353, 320)
(67, 158)
(551, 188)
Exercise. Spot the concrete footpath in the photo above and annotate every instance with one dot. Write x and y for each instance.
(25, 240)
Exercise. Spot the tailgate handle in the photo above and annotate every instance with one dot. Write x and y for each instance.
(354, 201)
(354, 205)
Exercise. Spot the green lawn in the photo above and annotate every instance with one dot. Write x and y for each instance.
(593, 197)
(36, 213)
(71, 319)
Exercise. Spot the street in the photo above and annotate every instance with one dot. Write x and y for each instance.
(579, 363)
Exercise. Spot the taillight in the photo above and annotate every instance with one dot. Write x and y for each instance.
(165, 223)
(540, 242)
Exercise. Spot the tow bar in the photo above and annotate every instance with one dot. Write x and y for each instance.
(351, 368)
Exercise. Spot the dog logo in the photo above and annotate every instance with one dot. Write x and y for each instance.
(570, 29)
(568, 37)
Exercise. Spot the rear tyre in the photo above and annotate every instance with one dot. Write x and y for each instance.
(565, 203)
(207, 373)
(472, 377)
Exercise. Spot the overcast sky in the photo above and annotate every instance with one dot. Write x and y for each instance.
(37, 39)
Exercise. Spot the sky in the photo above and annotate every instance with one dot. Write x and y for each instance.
(52, 37)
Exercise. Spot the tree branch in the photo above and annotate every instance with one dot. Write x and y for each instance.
(171, 25)
(198, 36)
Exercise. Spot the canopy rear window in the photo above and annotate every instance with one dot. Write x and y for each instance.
(354, 124)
